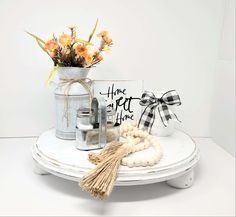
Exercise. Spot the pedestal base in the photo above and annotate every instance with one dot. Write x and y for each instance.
(183, 181)
(38, 170)
(61, 158)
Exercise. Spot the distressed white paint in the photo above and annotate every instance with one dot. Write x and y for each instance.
(68, 99)
(59, 157)
(184, 181)
(23, 192)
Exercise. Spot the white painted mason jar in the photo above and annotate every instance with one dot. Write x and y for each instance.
(67, 105)
(158, 128)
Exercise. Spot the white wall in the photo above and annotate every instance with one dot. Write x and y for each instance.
(223, 103)
(167, 43)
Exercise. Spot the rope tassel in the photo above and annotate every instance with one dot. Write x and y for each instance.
(109, 150)
(99, 182)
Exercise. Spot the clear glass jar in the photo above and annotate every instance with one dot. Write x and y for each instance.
(84, 119)
(88, 130)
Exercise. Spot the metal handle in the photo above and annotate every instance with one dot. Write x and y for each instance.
(102, 121)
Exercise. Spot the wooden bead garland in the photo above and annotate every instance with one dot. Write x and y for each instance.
(130, 132)
(100, 180)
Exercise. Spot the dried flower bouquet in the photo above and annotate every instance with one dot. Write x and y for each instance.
(70, 51)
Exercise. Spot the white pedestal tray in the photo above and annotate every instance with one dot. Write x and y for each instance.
(61, 158)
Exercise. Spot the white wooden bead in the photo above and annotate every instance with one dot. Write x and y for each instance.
(143, 163)
(142, 145)
(129, 128)
(141, 133)
(125, 135)
(124, 161)
(154, 156)
(122, 128)
(145, 134)
(135, 148)
(134, 136)
(146, 145)
(153, 140)
(130, 163)
(151, 162)
(157, 158)
(157, 148)
(137, 163)
(131, 133)
(126, 128)
(138, 148)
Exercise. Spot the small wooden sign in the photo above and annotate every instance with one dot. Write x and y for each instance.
(121, 95)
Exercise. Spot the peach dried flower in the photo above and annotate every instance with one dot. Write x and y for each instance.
(91, 50)
(53, 54)
(72, 26)
(80, 50)
(88, 59)
(51, 45)
(102, 34)
(107, 39)
(65, 39)
(99, 57)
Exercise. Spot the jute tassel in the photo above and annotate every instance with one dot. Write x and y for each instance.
(109, 150)
(99, 181)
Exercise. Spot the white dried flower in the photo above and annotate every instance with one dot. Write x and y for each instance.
(91, 50)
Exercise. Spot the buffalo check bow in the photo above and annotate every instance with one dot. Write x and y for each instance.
(152, 103)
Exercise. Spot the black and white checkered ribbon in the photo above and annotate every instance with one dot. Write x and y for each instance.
(152, 103)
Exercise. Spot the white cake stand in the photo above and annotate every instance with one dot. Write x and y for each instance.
(61, 158)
